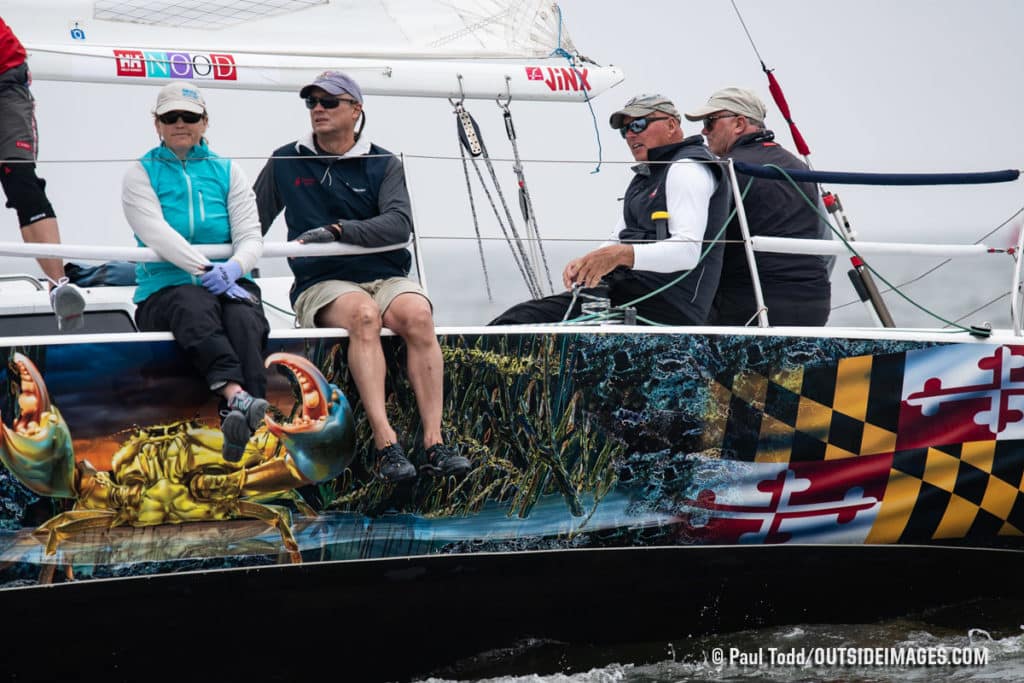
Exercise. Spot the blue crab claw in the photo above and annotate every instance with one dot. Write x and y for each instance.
(321, 439)
(37, 447)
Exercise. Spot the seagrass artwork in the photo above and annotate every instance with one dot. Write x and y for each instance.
(111, 452)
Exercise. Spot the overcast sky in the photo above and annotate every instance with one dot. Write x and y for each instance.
(900, 86)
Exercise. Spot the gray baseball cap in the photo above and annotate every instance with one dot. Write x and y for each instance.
(335, 83)
(737, 100)
(642, 105)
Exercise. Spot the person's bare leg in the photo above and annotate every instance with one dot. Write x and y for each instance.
(410, 317)
(359, 314)
(45, 231)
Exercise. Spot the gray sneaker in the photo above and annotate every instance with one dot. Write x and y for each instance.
(244, 416)
(68, 303)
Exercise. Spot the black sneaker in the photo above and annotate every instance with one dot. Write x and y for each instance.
(443, 461)
(392, 465)
(244, 417)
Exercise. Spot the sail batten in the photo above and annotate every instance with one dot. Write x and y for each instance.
(400, 28)
(195, 13)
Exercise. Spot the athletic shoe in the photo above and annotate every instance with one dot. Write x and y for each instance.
(245, 413)
(443, 461)
(392, 465)
(68, 303)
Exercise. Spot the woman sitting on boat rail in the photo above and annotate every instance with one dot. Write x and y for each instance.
(180, 194)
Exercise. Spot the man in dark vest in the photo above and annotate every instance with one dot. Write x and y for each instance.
(334, 186)
(795, 286)
(663, 259)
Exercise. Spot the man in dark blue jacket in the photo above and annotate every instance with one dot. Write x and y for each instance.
(795, 286)
(333, 186)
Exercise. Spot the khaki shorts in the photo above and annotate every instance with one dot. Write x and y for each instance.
(383, 292)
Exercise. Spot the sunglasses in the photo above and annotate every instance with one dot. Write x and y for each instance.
(640, 125)
(326, 102)
(172, 117)
(709, 121)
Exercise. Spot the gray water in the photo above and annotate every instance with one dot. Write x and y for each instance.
(991, 632)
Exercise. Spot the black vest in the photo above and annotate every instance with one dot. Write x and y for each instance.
(645, 195)
(774, 207)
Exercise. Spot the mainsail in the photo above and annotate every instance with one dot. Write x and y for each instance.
(419, 48)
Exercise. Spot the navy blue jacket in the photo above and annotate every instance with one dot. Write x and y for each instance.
(364, 192)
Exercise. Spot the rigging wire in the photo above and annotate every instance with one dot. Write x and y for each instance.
(982, 307)
(562, 52)
(747, 31)
(525, 200)
(476, 224)
(471, 140)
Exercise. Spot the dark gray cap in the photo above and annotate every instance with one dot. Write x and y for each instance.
(335, 83)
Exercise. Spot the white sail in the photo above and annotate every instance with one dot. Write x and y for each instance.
(428, 48)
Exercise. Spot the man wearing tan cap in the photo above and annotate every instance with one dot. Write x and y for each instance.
(664, 241)
(795, 286)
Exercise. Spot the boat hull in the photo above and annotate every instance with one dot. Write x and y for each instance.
(404, 618)
(626, 485)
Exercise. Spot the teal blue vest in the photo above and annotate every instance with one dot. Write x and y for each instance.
(193, 195)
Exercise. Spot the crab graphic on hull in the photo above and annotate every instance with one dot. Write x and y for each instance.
(174, 473)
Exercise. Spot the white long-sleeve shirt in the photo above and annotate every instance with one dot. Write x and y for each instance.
(145, 216)
(688, 190)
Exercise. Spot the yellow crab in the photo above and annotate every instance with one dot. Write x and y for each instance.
(174, 473)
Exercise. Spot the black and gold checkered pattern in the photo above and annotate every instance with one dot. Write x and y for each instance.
(968, 490)
(851, 408)
(823, 412)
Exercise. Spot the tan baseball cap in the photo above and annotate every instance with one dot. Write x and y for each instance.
(642, 105)
(180, 96)
(737, 100)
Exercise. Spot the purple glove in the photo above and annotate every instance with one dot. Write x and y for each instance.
(236, 292)
(220, 276)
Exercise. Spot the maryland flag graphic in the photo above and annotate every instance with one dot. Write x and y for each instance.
(908, 447)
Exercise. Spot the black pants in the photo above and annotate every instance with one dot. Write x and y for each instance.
(551, 309)
(224, 339)
(808, 307)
